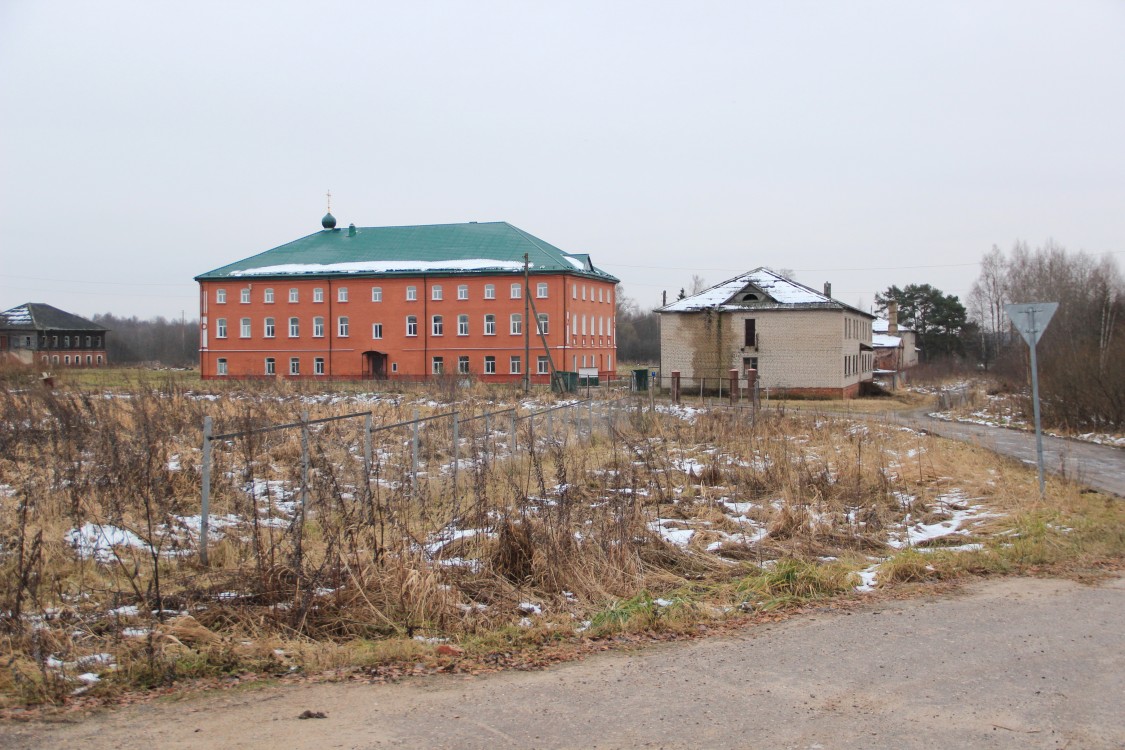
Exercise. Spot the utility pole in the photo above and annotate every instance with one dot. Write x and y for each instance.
(526, 325)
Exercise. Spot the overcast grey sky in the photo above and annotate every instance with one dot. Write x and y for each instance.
(862, 143)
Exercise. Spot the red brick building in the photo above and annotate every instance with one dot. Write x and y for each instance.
(408, 302)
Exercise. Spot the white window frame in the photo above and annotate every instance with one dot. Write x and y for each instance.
(411, 293)
(318, 327)
(318, 294)
(294, 294)
(294, 365)
(463, 364)
(514, 365)
(244, 295)
(294, 328)
(220, 296)
(437, 325)
(517, 291)
(462, 325)
(462, 291)
(515, 324)
(376, 330)
(220, 365)
(243, 328)
(490, 365)
(376, 294)
(541, 290)
(436, 293)
(437, 365)
(318, 365)
(341, 294)
(269, 328)
(542, 365)
(342, 327)
(220, 328)
(490, 291)
(490, 325)
(411, 325)
(267, 295)
(543, 323)
(270, 366)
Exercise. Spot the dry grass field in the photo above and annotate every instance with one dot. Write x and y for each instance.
(594, 521)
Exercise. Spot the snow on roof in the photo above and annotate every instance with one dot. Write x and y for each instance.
(384, 266)
(883, 341)
(779, 289)
(882, 325)
(18, 316)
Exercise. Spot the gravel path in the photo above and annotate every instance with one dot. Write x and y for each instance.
(1012, 663)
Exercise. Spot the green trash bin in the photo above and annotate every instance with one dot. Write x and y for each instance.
(640, 379)
(565, 382)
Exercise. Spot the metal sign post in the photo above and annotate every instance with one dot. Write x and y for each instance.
(1031, 320)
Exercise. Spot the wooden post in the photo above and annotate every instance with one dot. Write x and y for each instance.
(675, 386)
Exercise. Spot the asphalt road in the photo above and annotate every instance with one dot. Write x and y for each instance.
(1013, 663)
(1101, 467)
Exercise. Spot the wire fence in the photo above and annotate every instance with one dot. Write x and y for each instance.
(386, 469)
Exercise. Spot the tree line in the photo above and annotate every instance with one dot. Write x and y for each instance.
(174, 343)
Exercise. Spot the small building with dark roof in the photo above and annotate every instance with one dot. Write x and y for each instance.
(35, 333)
(408, 302)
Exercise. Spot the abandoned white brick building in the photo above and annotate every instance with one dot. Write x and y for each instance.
(800, 341)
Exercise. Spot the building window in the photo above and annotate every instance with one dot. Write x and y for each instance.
(318, 294)
(541, 290)
(376, 294)
(294, 294)
(271, 366)
(544, 324)
(490, 365)
(66, 339)
(490, 291)
(220, 296)
(489, 325)
(437, 327)
(89, 359)
(342, 294)
(376, 330)
(462, 325)
(294, 366)
(100, 360)
(220, 366)
(342, 327)
(318, 327)
(318, 365)
(411, 325)
(435, 291)
(516, 324)
(269, 328)
(411, 293)
(514, 365)
(66, 360)
(750, 337)
(462, 291)
(542, 365)
(294, 328)
(438, 365)
(517, 291)
(267, 295)
(463, 364)
(220, 330)
(394, 366)
(574, 291)
(244, 328)
(245, 296)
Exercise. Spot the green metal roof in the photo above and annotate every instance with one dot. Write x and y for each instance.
(490, 247)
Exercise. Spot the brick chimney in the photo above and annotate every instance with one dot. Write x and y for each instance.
(828, 289)
(892, 318)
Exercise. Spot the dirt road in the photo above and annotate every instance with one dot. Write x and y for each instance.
(1015, 663)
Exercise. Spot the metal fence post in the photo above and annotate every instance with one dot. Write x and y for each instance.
(304, 462)
(205, 509)
(414, 453)
(456, 458)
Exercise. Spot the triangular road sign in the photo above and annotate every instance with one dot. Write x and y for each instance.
(1031, 319)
